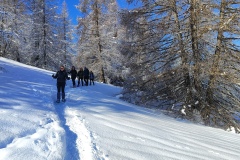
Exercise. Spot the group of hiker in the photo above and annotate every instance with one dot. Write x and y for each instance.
(83, 75)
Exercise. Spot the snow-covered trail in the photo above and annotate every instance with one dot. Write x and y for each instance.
(75, 121)
(33, 126)
(29, 126)
(78, 140)
(93, 124)
(108, 128)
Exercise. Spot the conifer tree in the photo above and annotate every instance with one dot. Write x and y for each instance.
(13, 22)
(65, 37)
(190, 51)
(45, 18)
(98, 38)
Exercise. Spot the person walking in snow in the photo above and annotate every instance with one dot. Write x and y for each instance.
(73, 73)
(91, 78)
(61, 77)
(80, 76)
(86, 75)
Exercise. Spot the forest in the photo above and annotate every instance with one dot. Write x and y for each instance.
(179, 56)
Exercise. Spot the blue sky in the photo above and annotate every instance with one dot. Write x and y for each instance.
(74, 13)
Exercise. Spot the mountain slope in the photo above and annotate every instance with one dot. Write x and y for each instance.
(94, 124)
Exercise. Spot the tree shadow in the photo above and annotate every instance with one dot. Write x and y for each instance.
(70, 139)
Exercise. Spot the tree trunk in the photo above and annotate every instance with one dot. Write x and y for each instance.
(195, 50)
(44, 35)
(102, 76)
(214, 69)
(183, 55)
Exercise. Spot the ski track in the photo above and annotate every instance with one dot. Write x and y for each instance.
(88, 150)
(83, 141)
(79, 141)
(69, 141)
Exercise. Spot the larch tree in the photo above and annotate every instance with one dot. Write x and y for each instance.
(191, 56)
(13, 22)
(97, 30)
(111, 37)
(65, 32)
(222, 102)
(32, 32)
(157, 54)
(45, 18)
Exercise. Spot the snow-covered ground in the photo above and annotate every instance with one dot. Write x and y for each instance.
(93, 124)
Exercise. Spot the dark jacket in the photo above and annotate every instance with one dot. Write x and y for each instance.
(91, 76)
(86, 73)
(73, 73)
(80, 74)
(61, 76)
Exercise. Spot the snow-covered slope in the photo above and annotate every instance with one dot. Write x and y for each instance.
(94, 124)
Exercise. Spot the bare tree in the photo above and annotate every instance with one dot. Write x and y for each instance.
(13, 22)
(98, 38)
(45, 18)
(188, 58)
(30, 32)
(222, 101)
(65, 37)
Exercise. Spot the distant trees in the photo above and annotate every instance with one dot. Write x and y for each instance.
(65, 38)
(184, 56)
(98, 38)
(12, 25)
(30, 32)
(46, 33)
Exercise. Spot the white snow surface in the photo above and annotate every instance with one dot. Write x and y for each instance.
(94, 124)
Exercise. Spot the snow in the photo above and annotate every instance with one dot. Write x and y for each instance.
(94, 124)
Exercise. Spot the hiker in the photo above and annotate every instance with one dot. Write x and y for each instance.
(91, 78)
(80, 76)
(73, 73)
(86, 75)
(61, 77)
